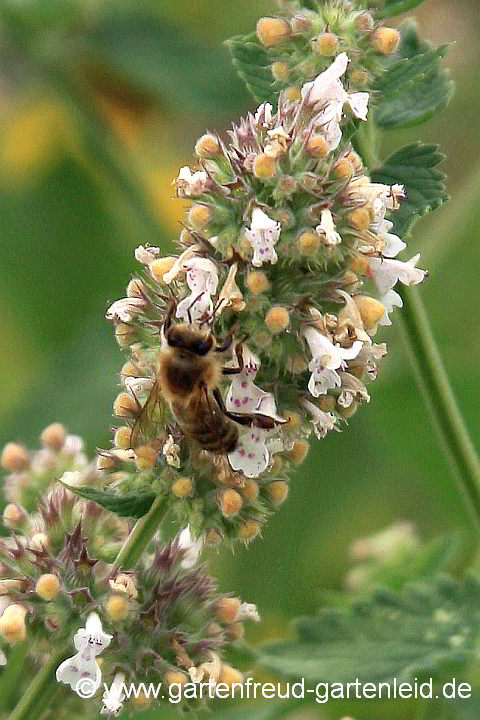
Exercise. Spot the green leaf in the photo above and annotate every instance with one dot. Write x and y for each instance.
(130, 504)
(414, 166)
(396, 7)
(414, 87)
(253, 65)
(389, 635)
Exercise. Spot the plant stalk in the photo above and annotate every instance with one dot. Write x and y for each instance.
(37, 690)
(141, 535)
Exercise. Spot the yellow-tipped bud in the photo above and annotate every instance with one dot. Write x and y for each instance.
(296, 364)
(349, 279)
(364, 21)
(326, 44)
(123, 438)
(299, 451)
(360, 218)
(293, 418)
(199, 216)
(257, 282)
(277, 492)
(176, 677)
(145, 457)
(53, 436)
(227, 609)
(13, 515)
(359, 264)
(235, 631)
(125, 334)
(385, 40)
(273, 31)
(129, 369)
(248, 530)
(371, 310)
(277, 319)
(294, 94)
(106, 462)
(359, 77)
(213, 537)
(230, 502)
(277, 465)
(14, 457)
(183, 487)
(250, 489)
(159, 267)
(39, 541)
(326, 403)
(207, 146)
(230, 675)
(117, 607)
(12, 624)
(264, 167)
(343, 169)
(48, 586)
(125, 406)
(135, 288)
(317, 146)
(280, 71)
(308, 242)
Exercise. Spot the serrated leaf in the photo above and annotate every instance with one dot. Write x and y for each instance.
(414, 166)
(253, 65)
(396, 7)
(415, 86)
(130, 504)
(422, 630)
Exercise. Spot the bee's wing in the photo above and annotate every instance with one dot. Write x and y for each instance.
(149, 418)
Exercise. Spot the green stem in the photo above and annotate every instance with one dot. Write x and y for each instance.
(38, 689)
(441, 401)
(141, 535)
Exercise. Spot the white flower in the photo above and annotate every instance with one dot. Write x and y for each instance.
(124, 583)
(328, 89)
(180, 263)
(263, 235)
(251, 455)
(113, 698)
(125, 309)
(230, 294)
(73, 445)
(73, 478)
(247, 611)
(202, 279)
(322, 421)
(263, 116)
(327, 358)
(393, 244)
(388, 272)
(363, 190)
(3, 659)
(90, 641)
(326, 229)
(138, 385)
(171, 452)
(390, 300)
(146, 255)
(189, 183)
(191, 547)
(210, 669)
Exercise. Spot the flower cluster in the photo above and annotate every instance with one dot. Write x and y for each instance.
(164, 621)
(288, 250)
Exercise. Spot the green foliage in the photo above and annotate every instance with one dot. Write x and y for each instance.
(253, 65)
(414, 166)
(396, 7)
(128, 504)
(425, 628)
(414, 87)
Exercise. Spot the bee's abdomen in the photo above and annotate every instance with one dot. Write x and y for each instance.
(212, 430)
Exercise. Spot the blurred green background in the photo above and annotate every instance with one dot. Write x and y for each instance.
(92, 92)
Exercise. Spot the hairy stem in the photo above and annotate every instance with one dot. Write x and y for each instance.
(38, 688)
(141, 535)
(438, 395)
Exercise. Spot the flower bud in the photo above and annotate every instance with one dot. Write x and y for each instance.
(273, 31)
(250, 489)
(135, 288)
(371, 310)
(106, 462)
(364, 21)
(326, 44)
(299, 451)
(248, 530)
(207, 146)
(145, 457)
(230, 502)
(12, 624)
(359, 77)
(48, 586)
(199, 216)
(294, 94)
(129, 369)
(385, 40)
(14, 515)
(308, 242)
(227, 609)
(359, 218)
(14, 457)
(277, 319)
(359, 264)
(230, 675)
(183, 487)
(317, 146)
(213, 537)
(53, 437)
(343, 169)
(293, 418)
(159, 267)
(326, 403)
(39, 541)
(257, 282)
(264, 167)
(300, 24)
(176, 677)
(277, 465)
(277, 491)
(125, 406)
(280, 71)
(296, 364)
(125, 334)
(123, 437)
(235, 631)
(117, 607)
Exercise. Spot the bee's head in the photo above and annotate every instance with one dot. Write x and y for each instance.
(184, 337)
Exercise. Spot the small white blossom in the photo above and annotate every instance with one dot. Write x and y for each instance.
(171, 452)
(137, 386)
(125, 309)
(202, 279)
(327, 358)
(328, 89)
(146, 255)
(251, 455)
(188, 183)
(3, 659)
(230, 294)
(73, 445)
(81, 671)
(393, 244)
(388, 272)
(322, 421)
(191, 547)
(263, 235)
(113, 698)
(73, 478)
(263, 116)
(390, 300)
(247, 611)
(124, 583)
(327, 231)
(180, 263)
(210, 669)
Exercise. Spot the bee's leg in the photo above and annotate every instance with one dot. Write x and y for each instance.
(169, 316)
(227, 340)
(250, 419)
(239, 354)
(207, 398)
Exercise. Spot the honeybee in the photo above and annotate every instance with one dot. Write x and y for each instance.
(189, 371)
